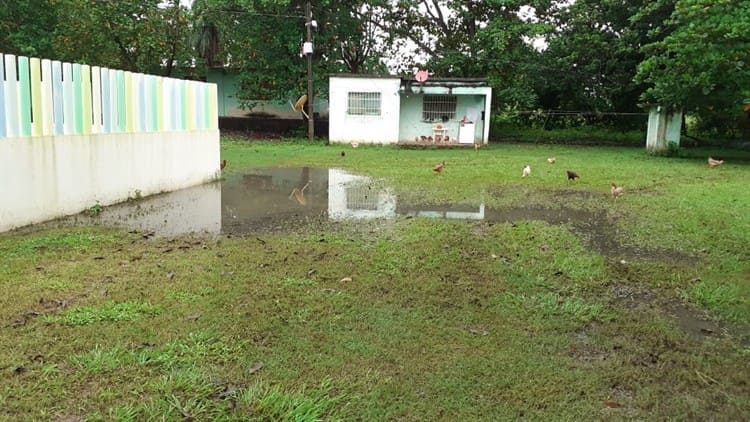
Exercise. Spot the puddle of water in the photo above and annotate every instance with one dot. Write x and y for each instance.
(278, 198)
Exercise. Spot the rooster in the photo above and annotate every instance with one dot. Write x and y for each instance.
(222, 164)
(552, 159)
(438, 168)
(714, 163)
(617, 191)
(526, 171)
(572, 175)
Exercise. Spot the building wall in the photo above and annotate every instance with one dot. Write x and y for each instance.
(72, 136)
(382, 129)
(229, 106)
(663, 128)
(412, 125)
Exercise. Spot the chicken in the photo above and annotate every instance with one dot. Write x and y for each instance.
(354, 144)
(572, 175)
(222, 164)
(438, 168)
(617, 191)
(552, 159)
(714, 163)
(526, 171)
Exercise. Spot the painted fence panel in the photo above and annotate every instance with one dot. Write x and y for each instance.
(96, 99)
(47, 113)
(2, 99)
(43, 97)
(12, 117)
(57, 97)
(86, 117)
(36, 96)
(77, 98)
(24, 95)
(69, 110)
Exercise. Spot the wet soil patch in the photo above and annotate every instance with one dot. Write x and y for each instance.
(696, 323)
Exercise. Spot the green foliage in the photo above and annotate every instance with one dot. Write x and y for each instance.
(591, 59)
(236, 35)
(140, 36)
(95, 209)
(531, 128)
(701, 65)
(25, 27)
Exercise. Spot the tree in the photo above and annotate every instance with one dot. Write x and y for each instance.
(25, 27)
(701, 66)
(235, 34)
(467, 39)
(135, 35)
(592, 56)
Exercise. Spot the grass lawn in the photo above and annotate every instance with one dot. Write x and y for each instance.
(401, 319)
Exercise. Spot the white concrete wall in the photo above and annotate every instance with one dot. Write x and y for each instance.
(46, 177)
(382, 129)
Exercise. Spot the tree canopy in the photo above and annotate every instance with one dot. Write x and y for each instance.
(703, 64)
(590, 55)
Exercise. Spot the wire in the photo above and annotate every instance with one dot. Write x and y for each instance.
(576, 113)
(244, 12)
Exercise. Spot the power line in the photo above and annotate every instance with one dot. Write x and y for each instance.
(580, 113)
(245, 12)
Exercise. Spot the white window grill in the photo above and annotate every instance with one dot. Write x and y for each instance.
(363, 104)
(440, 108)
(361, 198)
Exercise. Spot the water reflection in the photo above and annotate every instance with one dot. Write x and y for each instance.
(266, 199)
(284, 198)
(192, 210)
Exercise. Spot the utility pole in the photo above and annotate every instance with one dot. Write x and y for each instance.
(310, 112)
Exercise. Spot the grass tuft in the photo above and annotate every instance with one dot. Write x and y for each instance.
(105, 312)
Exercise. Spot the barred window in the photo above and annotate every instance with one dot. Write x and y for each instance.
(363, 104)
(439, 107)
(361, 198)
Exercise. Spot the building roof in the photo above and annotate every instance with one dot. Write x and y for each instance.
(409, 79)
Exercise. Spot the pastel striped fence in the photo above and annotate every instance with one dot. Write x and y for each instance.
(74, 135)
(40, 97)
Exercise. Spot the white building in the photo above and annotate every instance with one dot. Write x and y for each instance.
(391, 109)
